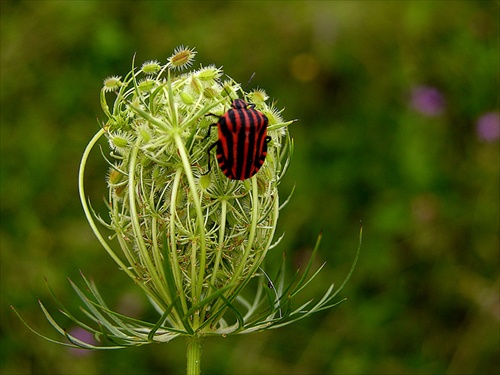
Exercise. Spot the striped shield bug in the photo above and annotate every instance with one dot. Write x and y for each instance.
(242, 142)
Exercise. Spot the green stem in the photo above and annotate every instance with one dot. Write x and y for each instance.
(156, 284)
(196, 280)
(87, 209)
(173, 240)
(194, 344)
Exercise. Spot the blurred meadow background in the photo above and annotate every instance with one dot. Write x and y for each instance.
(398, 104)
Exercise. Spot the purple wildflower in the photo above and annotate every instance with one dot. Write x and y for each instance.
(488, 126)
(84, 336)
(427, 100)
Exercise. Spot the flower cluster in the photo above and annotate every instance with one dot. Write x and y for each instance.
(192, 239)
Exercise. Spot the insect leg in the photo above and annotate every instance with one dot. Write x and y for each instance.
(208, 133)
(208, 156)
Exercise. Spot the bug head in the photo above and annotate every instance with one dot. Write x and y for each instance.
(239, 104)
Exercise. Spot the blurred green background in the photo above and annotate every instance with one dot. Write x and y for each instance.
(398, 104)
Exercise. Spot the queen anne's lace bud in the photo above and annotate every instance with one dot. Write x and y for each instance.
(191, 240)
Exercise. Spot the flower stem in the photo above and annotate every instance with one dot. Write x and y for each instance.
(194, 344)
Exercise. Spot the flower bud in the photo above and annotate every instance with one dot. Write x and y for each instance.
(191, 236)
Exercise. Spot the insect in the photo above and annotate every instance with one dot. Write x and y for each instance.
(242, 143)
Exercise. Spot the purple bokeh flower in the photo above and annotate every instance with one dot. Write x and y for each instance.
(427, 100)
(488, 126)
(84, 336)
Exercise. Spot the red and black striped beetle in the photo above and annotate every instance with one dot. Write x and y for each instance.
(242, 143)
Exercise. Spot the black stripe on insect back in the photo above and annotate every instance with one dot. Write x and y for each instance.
(261, 144)
(234, 127)
(240, 152)
(231, 137)
(225, 145)
(252, 146)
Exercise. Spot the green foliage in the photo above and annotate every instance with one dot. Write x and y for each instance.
(423, 297)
